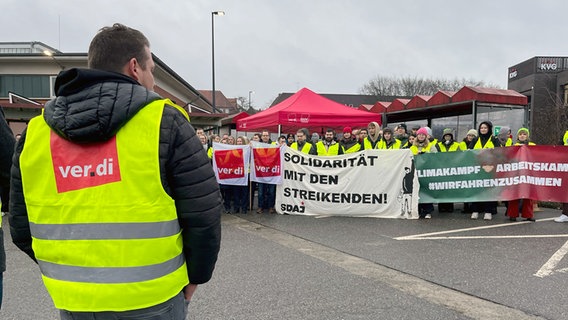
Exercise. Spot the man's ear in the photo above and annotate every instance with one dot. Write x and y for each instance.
(132, 69)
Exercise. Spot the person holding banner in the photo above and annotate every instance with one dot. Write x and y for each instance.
(564, 216)
(373, 138)
(241, 193)
(422, 145)
(527, 208)
(485, 140)
(471, 134)
(266, 191)
(302, 145)
(348, 144)
(388, 142)
(328, 146)
(448, 144)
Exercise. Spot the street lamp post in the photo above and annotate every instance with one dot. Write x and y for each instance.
(213, 14)
(250, 92)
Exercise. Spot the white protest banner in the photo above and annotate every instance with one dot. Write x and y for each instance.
(370, 183)
(266, 163)
(230, 163)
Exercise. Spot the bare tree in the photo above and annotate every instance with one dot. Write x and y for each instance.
(411, 86)
(552, 115)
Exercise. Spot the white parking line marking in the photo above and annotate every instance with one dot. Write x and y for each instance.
(548, 268)
(428, 235)
(469, 306)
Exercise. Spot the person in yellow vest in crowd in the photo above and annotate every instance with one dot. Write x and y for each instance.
(485, 140)
(7, 141)
(564, 216)
(504, 136)
(328, 146)
(112, 193)
(527, 208)
(464, 145)
(373, 136)
(400, 134)
(348, 143)
(422, 145)
(471, 134)
(215, 138)
(448, 144)
(302, 145)
(431, 138)
(388, 142)
(266, 191)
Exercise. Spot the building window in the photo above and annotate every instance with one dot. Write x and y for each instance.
(29, 86)
(566, 95)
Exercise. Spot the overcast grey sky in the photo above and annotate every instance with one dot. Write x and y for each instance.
(329, 46)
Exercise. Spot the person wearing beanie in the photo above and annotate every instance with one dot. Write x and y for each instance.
(422, 145)
(400, 134)
(504, 136)
(471, 134)
(527, 207)
(290, 139)
(388, 142)
(348, 143)
(523, 137)
(464, 145)
(373, 137)
(448, 144)
(485, 140)
(431, 138)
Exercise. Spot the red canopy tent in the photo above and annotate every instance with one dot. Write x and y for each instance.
(307, 109)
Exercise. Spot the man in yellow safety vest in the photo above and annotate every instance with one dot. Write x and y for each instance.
(112, 192)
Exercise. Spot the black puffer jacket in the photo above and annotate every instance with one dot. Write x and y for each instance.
(7, 142)
(92, 105)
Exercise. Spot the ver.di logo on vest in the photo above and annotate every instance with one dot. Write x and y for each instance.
(82, 166)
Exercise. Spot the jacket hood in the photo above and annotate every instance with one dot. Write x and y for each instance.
(377, 134)
(92, 105)
(489, 132)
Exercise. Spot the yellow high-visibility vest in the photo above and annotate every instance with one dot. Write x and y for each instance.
(382, 144)
(355, 148)
(453, 147)
(367, 145)
(104, 231)
(305, 149)
(488, 145)
(333, 149)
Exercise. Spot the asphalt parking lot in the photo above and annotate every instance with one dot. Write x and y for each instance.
(297, 267)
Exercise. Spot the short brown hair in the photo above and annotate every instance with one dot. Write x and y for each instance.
(112, 48)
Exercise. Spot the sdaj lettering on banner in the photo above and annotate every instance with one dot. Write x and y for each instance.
(371, 183)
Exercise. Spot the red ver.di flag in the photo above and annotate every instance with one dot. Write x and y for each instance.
(266, 164)
(230, 163)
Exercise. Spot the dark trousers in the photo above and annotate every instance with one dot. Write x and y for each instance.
(484, 207)
(173, 309)
(227, 194)
(241, 198)
(266, 195)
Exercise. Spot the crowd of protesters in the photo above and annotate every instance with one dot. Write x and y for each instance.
(418, 140)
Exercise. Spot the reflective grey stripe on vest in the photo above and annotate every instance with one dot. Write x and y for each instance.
(108, 274)
(105, 231)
